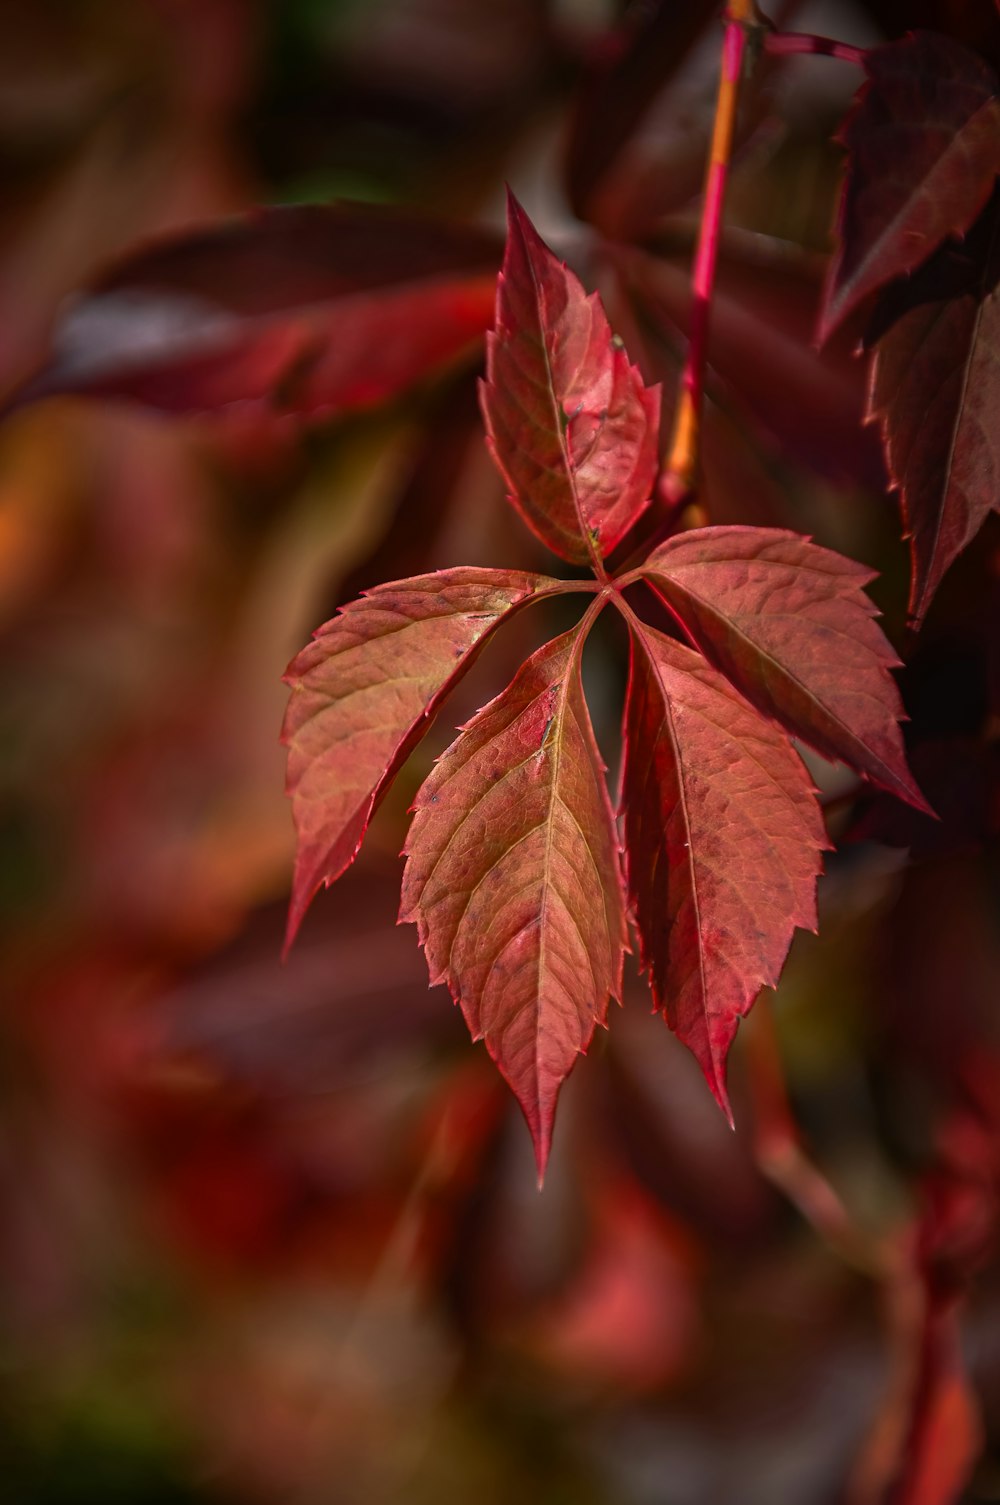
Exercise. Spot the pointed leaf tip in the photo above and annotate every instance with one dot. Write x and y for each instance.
(923, 144)
(513, 880)
(569, 422)
(723, 839)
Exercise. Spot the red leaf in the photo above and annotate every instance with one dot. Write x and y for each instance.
(924, 144)
(513, 879)
(789, 624)
(312, 310)
(570, 424)
(363, 693)
(723, 838)
(934, 388)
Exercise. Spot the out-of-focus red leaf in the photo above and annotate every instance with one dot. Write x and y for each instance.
(934, 389)
(514, 881)
(634, 63)
(924, 152)
(313, 310)
(571, 426)
(789, 624)
(808, 402)
(723, 838)
(364, 691)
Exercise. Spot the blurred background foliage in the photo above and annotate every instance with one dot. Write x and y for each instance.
(271, 1233)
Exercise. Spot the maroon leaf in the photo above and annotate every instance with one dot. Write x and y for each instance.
(790, 626)
(723, 838)
(513, 879)
(934, 388)
(649, 46)
(363, 693)
(924, 145)
(571, 426)
(311, 310)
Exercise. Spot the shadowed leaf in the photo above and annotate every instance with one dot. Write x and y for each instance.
(790, 626)
(924, 152)
(723, 838)
(934, 388)
(513, 879)
(571, 426)
(363, 693)
(321, 309)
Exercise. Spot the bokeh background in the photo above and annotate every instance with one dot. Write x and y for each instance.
(271, 1233)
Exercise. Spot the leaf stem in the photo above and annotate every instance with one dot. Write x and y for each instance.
(789, 43)
(680, 471)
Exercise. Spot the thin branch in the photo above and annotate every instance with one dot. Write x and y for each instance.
(681, 467)
(789, 43)
(780, 1155)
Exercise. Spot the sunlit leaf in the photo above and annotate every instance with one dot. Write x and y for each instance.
(364, 691)
(571, 426)
(513, 879)
(789, 624)
(723, 837)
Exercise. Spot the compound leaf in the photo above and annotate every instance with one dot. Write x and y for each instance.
(790, 626)
(363, 693)
(569, 422)
(723, 837)
(924, 152)
(514, 881)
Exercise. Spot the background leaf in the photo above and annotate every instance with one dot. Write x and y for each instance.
(312, 310)
(934, 388)
(924, 152)
(513, 879)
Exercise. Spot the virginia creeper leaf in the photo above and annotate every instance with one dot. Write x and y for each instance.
(935, 388)
(514, 881)
(318, 309)
(363, 693)
(723, 837)
(790, 626)
(569, 422)
(924, 152)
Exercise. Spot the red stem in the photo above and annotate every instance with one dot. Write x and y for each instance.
(788, 43)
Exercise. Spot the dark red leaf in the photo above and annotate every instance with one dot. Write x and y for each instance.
(312, 310)
(571, 426)
(924, 152)
(362, 695)
(934, 388)
(790, 625)
(514, 881)
(649, 47)
(723, 837)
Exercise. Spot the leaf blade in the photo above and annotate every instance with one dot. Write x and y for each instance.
(790, 626)
(569, 422)
(933, 387)
(310, 310)
(723, 837)
(924, 151)
(394, 653)
(513, 879)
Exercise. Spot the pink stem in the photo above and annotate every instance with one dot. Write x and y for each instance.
(787, 43)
